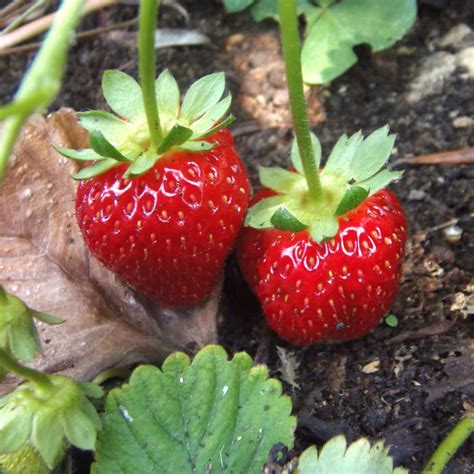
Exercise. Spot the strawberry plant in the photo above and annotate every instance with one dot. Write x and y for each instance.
(164, 192)
(334, 27)
(322, 249)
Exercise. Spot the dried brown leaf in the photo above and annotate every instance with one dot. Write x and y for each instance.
(44, 261)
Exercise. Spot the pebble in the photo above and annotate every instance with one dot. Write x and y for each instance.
(465, 59)
(455, 35)
(416, 195)
(463, 122)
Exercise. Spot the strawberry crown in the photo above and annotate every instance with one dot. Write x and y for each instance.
(355, 169)
(124, 137)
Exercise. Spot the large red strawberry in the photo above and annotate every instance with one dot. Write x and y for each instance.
(163, 216)
(326, 269)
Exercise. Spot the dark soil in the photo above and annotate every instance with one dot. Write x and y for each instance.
(422, 377)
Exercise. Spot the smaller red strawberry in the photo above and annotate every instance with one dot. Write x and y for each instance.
(328, 268)
(162, 215)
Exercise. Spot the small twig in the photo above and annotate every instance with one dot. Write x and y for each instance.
(21, 18)
(464, 156)
(42, 24)
(13, 13)
(79, 36)
(10, 7)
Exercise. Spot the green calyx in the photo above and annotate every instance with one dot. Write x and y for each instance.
(124, 137)
(46, 418)
(355, 169)
(18, 334)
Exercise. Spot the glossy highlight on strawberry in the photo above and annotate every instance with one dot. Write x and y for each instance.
(167, 233)
(333, 290)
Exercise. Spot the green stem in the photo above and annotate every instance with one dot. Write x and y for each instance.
(12, 365)
(448, 447)
(147, 65)
(294, 78)
(108, 374)
(43, 79)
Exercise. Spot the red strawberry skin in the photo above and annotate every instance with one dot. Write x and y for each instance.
(168, 232)
(330, 291)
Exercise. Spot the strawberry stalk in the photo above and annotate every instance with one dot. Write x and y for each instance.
(10, 364)
(449, 446)
(147, 66)
(294, 77)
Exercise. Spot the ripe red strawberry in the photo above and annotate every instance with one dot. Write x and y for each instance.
(317, 282)
(168, 232)
(162, 216)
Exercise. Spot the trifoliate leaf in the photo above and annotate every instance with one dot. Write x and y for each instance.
(177, 136)
(283, 219)
(86, 154)
(167, 100)
(201, 96)
(123, 94)
(381, 180)
(333, 32)
(353, 197)
(296, 157)
(279, 179)
(47, 418)
(96, 169)
(259, 216)
(18, 334)
(211, 415)
(104, 148)
(336, 457)
(372, 154)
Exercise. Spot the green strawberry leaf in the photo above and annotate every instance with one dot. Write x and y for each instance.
(142, 164)
(176, 137)
(48, 417)
(279, 179)
(211, 117)
(353, 197)
(167, 100)
(324, 227)
(123, 94)
(96, 169)
(201, 96)
(340, 159)
(18, 333)
(86, 154)
(104, 148)
(283, 219)
(110, 125)
(296, 157)
(372, 154)
(211, 415)
(197, 146)
(219, 126)
(380, 180)
(259, 216)
(336, 457)
(233, 6)
(328, 49)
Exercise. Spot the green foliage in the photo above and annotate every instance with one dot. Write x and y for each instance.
(18, 334)
(43, 79)
(355, 169)
(47, 417)
(334, 27)
(211, 415)
(335, 457)
(125, 137)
